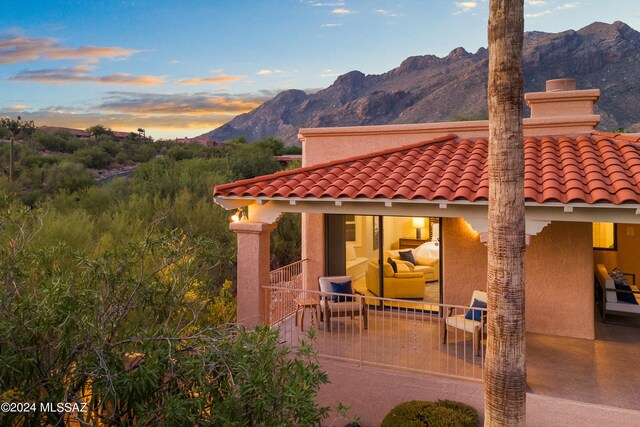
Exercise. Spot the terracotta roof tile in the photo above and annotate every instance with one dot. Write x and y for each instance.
(590, 168)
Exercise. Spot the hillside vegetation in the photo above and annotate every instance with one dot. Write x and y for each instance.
(120, 296)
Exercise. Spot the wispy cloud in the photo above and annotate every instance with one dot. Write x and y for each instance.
(269, 72)
(465, 6)
(330, 25)
(535, 2)
(329, 73)
(563, 6)
(18, 107)
(537, 14)
(222, 78)
(568, 6)
(386, 12)
(342, 11)
(25, 49)
(320, 4)
(78, 74)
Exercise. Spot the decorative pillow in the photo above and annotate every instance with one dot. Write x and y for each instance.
(341, 288)
(623, 296)
(403, 268)
(393, 265)
(387, 270)
(476, 314)
(350, 252)
(617, 276)
(408, 256)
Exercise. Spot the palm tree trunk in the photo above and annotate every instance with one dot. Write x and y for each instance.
(505, 376)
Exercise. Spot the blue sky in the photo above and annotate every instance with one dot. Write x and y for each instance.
(181, 68)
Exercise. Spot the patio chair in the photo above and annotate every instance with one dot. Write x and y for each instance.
(330, 308)
(474, 323)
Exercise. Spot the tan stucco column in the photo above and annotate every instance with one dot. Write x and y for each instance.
(253, 270)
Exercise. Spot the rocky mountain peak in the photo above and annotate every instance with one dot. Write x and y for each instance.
(429, 88)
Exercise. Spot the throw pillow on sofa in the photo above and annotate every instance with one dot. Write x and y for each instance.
(393, 265)
(407, 256)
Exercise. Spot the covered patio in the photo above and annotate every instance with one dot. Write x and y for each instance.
(600, 371)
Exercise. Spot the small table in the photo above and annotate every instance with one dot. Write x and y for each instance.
(303, 304)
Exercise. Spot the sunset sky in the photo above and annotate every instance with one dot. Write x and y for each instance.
(182, 68)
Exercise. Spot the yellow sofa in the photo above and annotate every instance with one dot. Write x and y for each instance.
(396, 285)
(430, 267)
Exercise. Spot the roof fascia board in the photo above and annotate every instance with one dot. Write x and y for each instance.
(625, 214)
(244, 201)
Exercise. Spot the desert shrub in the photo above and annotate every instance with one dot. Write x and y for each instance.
(93, 157)
(248, 161)
(68, 176)
(137, 334)
(59, 141)
(443, 413)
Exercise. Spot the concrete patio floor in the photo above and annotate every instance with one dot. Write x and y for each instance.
(601, 371)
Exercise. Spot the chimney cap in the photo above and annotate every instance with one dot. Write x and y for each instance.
(559, 85)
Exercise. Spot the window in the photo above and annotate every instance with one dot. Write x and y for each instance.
(350, 228)
(604, 236)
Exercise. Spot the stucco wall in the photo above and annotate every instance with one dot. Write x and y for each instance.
(313, 248)
(558, 275)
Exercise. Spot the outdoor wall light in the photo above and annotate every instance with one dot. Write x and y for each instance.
(418, 224)
(238, 216)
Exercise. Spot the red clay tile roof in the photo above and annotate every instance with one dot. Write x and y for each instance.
(591, 169)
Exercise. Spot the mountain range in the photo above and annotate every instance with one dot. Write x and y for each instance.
(429, 88)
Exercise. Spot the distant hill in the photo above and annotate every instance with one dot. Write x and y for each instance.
(428, 88)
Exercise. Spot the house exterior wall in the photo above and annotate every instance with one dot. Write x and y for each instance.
(313, 249)
(558, 275)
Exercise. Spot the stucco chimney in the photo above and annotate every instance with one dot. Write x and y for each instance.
(562, 99)
(558, 85)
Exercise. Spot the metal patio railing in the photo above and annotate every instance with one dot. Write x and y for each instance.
(406, 334)
(284, 282)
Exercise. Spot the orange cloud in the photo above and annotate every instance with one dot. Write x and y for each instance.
(162, 115)
(18, 107)
(78, 75)
(188, 104)
(222, 78)
(26, 49)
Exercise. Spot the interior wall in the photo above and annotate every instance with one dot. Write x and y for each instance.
(628, 255)
(397, 227)
(558, 275)
(608, 258)
(367, 238)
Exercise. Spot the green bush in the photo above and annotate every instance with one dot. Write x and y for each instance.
(68, 176)
(443, 413)
(93, 157)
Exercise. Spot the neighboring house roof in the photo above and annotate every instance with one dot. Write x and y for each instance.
(75, 132)
(590, 168)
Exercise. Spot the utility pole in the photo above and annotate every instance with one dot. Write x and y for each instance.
(11, 160)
